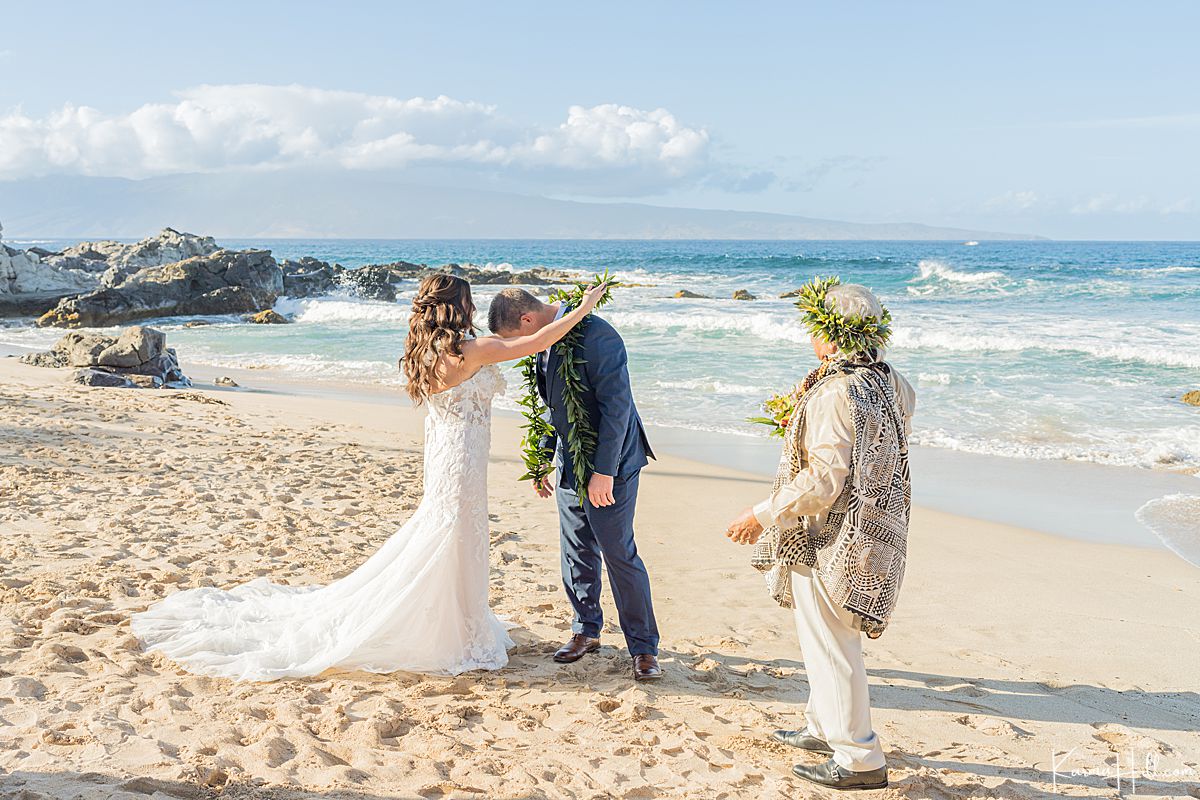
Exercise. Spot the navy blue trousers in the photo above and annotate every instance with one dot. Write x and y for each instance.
(591, 535)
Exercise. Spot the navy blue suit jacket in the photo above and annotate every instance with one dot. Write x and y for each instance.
(621, 447)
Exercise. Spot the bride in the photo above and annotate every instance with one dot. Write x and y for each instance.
(420, 603)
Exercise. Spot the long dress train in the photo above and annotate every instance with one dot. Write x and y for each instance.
(420, 603)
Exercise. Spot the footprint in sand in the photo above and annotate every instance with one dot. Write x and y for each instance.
(993, 726)
(64, 736)
(1122, 739)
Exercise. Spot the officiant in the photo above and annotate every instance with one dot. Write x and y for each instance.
(831, 536)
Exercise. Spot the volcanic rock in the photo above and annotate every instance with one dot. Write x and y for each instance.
(226, 282)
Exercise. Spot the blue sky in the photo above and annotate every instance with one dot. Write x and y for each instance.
(1072, 120)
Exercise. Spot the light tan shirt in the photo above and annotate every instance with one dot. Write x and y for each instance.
(828, 441)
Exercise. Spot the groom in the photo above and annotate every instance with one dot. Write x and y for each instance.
(603, 527)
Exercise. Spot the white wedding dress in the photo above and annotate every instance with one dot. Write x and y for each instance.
(418, 604)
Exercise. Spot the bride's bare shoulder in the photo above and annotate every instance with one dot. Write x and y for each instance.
(451, 371)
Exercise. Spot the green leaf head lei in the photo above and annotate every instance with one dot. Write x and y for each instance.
(851, 334)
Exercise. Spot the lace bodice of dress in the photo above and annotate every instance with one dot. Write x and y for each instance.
(458, 438)
(470, 401)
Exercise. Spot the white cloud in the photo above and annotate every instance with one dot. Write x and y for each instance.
(1111, 204)
(1029, 201)
(216, 128)
(808, 179)
(1015, 201)
(618, 135)
(1183, 205)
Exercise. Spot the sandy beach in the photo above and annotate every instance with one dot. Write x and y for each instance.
(1019, 665)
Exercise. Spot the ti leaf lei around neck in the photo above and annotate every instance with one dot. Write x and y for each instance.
(853, 334)
(580, 438)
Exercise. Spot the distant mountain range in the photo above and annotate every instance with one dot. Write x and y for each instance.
(363, 205)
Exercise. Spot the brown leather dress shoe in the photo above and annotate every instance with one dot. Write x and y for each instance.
(835, 776)
(577, 648)
(645, 668)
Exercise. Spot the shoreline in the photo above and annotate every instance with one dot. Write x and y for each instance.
(1074, 499)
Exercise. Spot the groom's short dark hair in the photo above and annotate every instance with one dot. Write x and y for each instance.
(507, 308)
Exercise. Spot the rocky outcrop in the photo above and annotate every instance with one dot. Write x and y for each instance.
(792, 293)
(34, 280)
(116, 261)
(139, 356)
(29, 286)
(684, 294)
(268, 316)
(743, 294)
(378, 281)
(310, 277)
(226, 282)
(373, 282)
(538, 276)
(1192, 398)
(180, 274)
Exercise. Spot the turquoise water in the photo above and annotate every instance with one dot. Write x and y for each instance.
(1040, 350)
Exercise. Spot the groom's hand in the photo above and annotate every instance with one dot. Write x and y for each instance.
(543, 487)
(600, 490)
(745, 529)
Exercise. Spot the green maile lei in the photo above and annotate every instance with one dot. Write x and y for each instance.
(580, 438)
(853, 334)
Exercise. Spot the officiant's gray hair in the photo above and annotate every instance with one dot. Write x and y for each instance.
(853, 300)
(507, 308)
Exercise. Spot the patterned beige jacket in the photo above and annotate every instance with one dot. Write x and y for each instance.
(848, 522)
(828, 440)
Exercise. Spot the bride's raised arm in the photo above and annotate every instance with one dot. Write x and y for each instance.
(494, 349)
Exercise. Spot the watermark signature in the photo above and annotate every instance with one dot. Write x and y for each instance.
(1129, 768)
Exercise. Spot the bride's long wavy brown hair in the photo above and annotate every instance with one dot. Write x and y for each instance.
(443, 316)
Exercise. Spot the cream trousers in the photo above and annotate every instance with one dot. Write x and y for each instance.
(839, 706)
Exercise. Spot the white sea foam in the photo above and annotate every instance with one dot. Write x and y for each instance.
(1162, 449)
(714, 386)
(503, 266)
(933, 378)
(932, 268)
(326, 310)
(1148, 271)
(308, 365)
(769, 327)
(961, 341)
(643, 276)
(966, 443)
(1175, 519)
(935, 277)
(29, 336)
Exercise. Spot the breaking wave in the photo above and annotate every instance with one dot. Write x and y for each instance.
(714, 386)
(769, 327)
(958, 341)
(332, 310)
(934, 276)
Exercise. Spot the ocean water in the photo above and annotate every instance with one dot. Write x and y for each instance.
(1042, 350)
(1035, 350)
